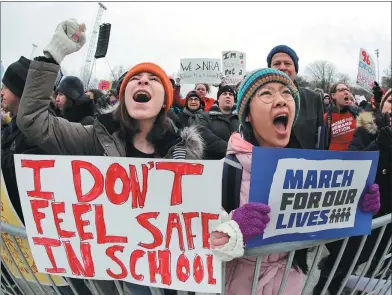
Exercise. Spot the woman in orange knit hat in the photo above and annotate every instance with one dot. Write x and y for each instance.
(137, 127)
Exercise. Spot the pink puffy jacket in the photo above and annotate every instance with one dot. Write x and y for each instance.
(239, 272)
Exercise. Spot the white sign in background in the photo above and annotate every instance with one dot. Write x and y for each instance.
(234, 66)
(361, 170)
(201, 193)
(366, 70)
(200, 70)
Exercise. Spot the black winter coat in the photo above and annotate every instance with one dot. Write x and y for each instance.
(365, 139)
(311, 117)
(216, 129)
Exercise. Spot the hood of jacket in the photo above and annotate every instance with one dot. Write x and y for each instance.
(76, 113)
(367, 120)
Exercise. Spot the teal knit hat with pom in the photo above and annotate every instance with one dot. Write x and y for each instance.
(257, 79)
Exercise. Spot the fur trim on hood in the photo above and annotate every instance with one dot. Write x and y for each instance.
(367, 120)
(193, 142)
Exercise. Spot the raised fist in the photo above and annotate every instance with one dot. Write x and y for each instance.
(68, 38)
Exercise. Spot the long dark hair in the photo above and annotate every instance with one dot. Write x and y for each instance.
(129, 127)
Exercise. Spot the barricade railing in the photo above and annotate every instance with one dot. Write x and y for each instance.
(378, 283)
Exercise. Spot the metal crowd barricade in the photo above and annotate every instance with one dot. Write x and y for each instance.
(351, 285)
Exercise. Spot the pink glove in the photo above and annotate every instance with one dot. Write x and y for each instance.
(370, 202)
(252, 219)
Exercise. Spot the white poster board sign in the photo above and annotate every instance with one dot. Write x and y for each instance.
(144, 221)
(366, 70)
(200, 70)
(234, 66)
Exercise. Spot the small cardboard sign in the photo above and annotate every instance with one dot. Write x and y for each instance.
(234, 66)
(200, 70)
(366, 70)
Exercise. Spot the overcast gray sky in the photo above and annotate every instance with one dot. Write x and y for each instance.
(165, 32)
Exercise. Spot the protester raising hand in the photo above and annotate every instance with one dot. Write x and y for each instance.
(68, 38)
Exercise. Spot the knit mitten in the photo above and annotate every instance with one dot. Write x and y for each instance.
(252, 219)
(68, 38)
(371, 200)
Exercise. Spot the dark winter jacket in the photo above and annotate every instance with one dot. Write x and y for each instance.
(310, 119)
(216, 129)
(365, 139)
(187, 118)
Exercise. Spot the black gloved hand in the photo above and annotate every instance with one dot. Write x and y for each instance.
(383, 120)
(377, 92)
(385, 137)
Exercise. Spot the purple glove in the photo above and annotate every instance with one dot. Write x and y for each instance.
(371, 200)
(252, 219)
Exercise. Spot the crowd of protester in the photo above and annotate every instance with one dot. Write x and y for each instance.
(146, 117)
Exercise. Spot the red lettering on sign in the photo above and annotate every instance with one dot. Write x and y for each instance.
(38, 215)
(210, 270)
(57, 209)
(162, 266)
(139, 197)
(142, 219)
(198, 269)
(132, 264)
(183, 268)
(174, 222)
(102, 237)
(188, 228)
(205, 218)
(48, 244)
(78, 211)
(87, 269)
(37, 165)
(179, 170)
(96, 190)
(116, 171)
(111, 253)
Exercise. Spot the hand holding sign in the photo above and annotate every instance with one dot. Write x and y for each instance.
(371, 200)
(252, 219)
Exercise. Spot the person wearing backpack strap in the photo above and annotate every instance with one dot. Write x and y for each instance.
(268, 106)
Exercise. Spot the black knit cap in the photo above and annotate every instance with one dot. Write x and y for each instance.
(226, 88)
(72, 87)
(15, 76)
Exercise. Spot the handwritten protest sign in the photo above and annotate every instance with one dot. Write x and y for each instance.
(312, 194)
(366, 70)
(200, 70)
(145, 221)
(8, 215)
(234, 66)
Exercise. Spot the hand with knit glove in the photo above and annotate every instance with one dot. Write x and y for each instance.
(68, 38)
(178, 82)
(370, 202)
(226, 240)
(252, 219)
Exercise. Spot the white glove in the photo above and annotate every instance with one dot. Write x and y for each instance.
(68, 38)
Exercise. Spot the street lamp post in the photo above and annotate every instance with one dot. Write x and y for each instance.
(378, 67)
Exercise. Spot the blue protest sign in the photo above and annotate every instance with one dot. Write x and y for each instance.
(313, 194)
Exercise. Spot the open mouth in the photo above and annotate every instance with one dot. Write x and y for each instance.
(346, 98)
(141, 96)
(280, 122)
